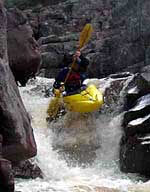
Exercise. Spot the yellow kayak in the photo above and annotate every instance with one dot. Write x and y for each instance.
(88, 100)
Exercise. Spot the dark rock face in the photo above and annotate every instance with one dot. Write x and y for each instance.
(27, 170)
(27, 4)
(135, 155)
(15, 126)
(141, 109)
(125, 46)
(112, 95)
(6, 176)
(23, 50)
(135, 143)
(138, 87)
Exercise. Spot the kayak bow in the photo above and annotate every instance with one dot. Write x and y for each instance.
(88, 100)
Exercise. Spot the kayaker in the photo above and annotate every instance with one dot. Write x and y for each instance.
(77, 75)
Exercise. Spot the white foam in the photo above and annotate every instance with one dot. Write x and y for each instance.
(58, 176)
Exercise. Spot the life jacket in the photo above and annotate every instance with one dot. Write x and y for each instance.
(74, 79)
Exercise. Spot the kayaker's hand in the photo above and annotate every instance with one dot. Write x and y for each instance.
(62, 87)
(77, 55)
(56, 92)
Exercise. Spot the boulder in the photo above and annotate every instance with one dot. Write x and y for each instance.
(27, 170)
(135, 142)
(137, 87)
(114, 92)
(135, 154)
(15, 125)
(6, 174)
(56, 53)
(140, 110)
(138, 126)
(23, 50)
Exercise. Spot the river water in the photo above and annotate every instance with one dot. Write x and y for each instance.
(58, 176)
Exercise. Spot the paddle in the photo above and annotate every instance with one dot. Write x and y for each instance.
(56, 103)
(84, 38)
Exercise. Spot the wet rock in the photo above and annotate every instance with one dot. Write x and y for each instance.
(140, 110)
(6, 174)
(135, 154)
(18, 138)
(114, 92)
(49, 63)
(136, 88)
(23, 50)
(145, 73)
(55, 53)
(138, 126)
(27, 170)
(135, 143)
(120, 75)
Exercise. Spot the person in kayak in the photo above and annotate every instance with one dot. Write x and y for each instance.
(71, 80)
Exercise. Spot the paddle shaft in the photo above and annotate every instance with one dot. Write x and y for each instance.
(84, 37)
(73, 63)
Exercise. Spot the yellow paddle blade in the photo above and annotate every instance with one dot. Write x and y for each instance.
(54, 107)
(85, 35)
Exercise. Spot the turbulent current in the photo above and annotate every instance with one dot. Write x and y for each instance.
(102, 175)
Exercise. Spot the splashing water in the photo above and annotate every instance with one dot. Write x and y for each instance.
(58, 177)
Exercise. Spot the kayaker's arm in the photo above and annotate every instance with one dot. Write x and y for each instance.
(60, 78)
(83, 63)
(79, 71)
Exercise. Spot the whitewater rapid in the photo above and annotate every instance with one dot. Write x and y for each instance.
(58, 177)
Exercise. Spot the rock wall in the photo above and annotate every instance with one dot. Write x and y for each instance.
(23, 50)
(15, 126)
(6, 173)
(120, 41)
(135, 142)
